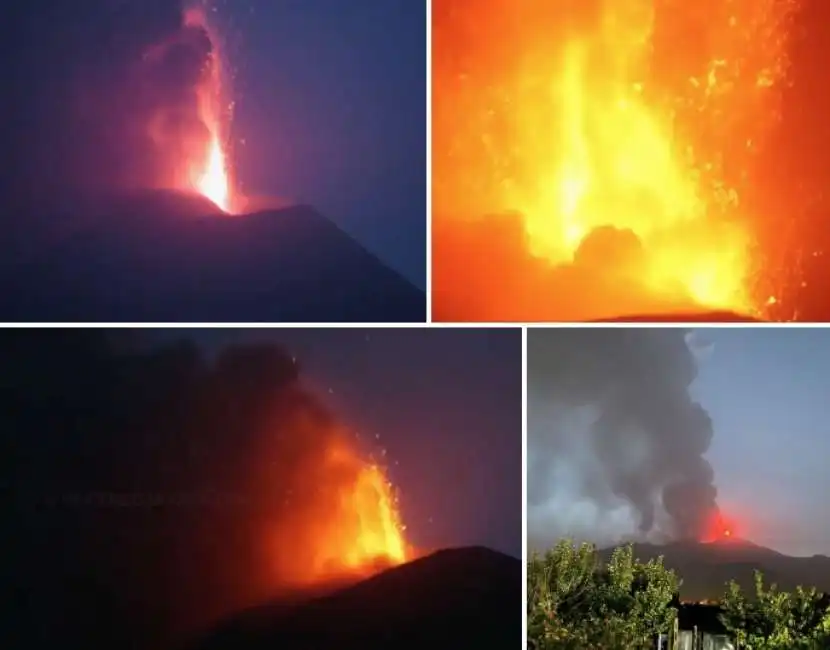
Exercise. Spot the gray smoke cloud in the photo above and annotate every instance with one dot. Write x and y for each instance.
(616, 442)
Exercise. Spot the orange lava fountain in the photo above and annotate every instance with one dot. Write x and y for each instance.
(640, 115)
(364, 528)
(345, 524)
(208, 173)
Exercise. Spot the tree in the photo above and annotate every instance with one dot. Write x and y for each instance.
(574, 601)
(776, 620)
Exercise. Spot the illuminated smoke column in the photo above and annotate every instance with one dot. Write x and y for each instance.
(209, 173)
(190, 127)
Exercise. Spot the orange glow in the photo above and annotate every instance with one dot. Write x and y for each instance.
(207, 170)
(346, 523)
(366, 527)
(719, 528)
(607, 116)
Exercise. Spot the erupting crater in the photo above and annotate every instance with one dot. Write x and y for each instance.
(191, 133)
(623, 135)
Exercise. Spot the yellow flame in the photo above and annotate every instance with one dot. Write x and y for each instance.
(611, 114)
(213, 181)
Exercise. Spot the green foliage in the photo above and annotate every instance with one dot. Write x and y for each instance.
(776, 620)
(574, 602)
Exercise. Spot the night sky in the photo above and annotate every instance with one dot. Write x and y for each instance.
(330, 106)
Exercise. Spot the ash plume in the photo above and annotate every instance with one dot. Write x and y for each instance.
(616, 442)
(157, 487)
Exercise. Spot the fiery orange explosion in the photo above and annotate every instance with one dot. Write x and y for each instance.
(195, 149)
(364, 527)
(645, 116)
(347, 522)
(207, 171)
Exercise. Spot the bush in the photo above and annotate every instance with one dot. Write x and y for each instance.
(576, 602)
(776, 620)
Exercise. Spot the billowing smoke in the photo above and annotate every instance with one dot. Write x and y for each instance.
(616, 442)
(158, 488)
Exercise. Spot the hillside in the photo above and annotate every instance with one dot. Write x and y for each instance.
(166, 257)
(465, 597)
(706, 568)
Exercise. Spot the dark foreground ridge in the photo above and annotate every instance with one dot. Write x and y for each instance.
(706, 568)
(684, 317)
(465, 597)
(165, 257)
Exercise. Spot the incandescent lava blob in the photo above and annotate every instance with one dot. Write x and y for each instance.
(643, 118)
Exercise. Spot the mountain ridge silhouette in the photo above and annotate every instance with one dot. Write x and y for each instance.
(453, 596)
(167, 257)
(705, 568)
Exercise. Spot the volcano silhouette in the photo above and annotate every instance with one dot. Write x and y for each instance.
(166, 257)
(464, 597)
(706, 567)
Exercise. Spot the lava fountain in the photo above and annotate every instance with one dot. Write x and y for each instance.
(190, 123)
(641, 117)
(208, 172)
(364, 528)
(345, 523)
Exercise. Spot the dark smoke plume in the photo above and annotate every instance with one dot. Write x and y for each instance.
(611, 418)
(153, 489)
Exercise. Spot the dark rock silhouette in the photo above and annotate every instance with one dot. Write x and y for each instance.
(166, 257)
(465, 597)
(684, 317)
(706, 568)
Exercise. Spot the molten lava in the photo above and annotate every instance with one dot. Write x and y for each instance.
(345, 522)
(364, 528)
(207, 171)
(640, 119)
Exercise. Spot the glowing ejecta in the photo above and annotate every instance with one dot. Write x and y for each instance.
(209, 174)
(212, 182)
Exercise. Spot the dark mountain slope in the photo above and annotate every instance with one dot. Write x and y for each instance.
(467, 597)
(161, 256)
(706, 568)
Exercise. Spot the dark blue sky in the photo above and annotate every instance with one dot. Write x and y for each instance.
(446, 405)
(331, 102)
(767, 391)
